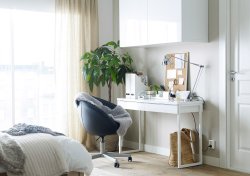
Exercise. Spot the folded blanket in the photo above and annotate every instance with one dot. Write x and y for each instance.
(119, 114)
(22, 129)
(11, 155)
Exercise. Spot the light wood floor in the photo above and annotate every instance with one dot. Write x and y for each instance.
(147, 164)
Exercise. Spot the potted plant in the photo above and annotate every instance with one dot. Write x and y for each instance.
(106, 65)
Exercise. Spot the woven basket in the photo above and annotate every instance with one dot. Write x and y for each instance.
(187, 155)
(111, 143)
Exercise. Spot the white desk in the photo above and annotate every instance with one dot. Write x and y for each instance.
(165, 106)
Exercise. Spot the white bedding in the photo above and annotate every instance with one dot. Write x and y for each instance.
(48, 155)
(77, 157)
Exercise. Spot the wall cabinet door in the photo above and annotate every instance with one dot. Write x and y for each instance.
(164, 21)
(133, 22)
(147, 22)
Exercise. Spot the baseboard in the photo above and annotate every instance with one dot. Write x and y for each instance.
(130, 144)
(213, 161)
(158, 150)
(147, 148)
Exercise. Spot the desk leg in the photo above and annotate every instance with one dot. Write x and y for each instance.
(141, 134)
(120, 144)
(200, 135)
(200, 142)
(140, 144)
(179, 139)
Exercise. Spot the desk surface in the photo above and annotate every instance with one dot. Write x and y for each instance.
(161, 105)
(161, 101)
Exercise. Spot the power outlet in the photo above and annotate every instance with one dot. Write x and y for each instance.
(211, 143)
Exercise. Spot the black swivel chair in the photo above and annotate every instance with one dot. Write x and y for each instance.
(98, 123)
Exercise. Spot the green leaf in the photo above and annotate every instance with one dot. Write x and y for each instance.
(113, 75)
(88, 78)
(104, 63)
(112, 44)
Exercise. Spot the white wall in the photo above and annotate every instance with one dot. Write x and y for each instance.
(158, 126)
(106, 29)
(105, 11)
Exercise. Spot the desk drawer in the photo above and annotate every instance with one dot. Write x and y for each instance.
(130, 105)
(152, 107)
(163, 108)
(187, 109)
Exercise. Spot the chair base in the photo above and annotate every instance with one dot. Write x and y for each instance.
(110, 155)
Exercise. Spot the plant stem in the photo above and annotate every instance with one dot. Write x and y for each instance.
(109, 87)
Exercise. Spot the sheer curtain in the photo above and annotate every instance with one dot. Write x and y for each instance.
(27, 68)
(76, 32)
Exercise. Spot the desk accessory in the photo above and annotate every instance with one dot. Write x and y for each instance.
(170, 61)
(176, 72)
(182, 95)
(135, 85)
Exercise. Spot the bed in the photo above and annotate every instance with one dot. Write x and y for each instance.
(47, 155)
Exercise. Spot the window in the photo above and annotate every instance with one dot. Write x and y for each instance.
(27, 67)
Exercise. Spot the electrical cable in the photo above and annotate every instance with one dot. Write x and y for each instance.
(209, 146)
(206, 149)
(196, 96)
(195, 124)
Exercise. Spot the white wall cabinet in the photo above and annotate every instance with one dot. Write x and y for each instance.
(133, 22)
(147, 22)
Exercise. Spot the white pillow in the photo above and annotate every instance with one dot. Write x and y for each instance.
(77, 157)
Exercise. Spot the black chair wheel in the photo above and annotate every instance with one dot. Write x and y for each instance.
(129, 159)
(116, 165)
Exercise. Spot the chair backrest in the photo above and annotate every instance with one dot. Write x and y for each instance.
(106, 103)
(96, 121)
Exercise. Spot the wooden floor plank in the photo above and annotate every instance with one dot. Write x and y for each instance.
(148, 164)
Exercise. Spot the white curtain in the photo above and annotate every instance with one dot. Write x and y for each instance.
(76, 32)
(27, 72)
